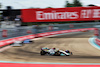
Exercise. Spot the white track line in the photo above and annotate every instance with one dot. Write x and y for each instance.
(5, 48)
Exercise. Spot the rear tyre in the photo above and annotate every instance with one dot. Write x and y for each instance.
(31, 41)
(42, 52)
(57, 53)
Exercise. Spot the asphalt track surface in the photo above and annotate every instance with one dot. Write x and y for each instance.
(77, 43)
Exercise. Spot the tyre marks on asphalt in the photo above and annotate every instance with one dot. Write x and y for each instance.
(77, 43)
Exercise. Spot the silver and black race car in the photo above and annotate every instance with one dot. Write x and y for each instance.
(45, 51)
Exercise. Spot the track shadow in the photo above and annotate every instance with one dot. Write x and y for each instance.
(75, 35)
(24, 53)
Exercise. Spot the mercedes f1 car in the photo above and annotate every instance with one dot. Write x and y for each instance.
(44, 51)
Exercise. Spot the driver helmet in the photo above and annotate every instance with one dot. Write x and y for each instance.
(54, 48)
(47, 48)
(66, 51)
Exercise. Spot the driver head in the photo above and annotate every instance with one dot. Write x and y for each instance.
(54, 48)
(66, 51)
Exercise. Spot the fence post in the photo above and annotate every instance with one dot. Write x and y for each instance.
(50, 28)
(29, 31)
(4, 33)
(71, 26)
(96, 32)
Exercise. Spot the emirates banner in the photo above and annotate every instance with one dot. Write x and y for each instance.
(61, 14)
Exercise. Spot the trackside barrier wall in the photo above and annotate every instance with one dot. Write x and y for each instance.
(97, 34)
(97, 41)
(11, 40)
(28, 30)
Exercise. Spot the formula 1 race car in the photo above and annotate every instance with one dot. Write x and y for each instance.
(21, 43)
(45, 51)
